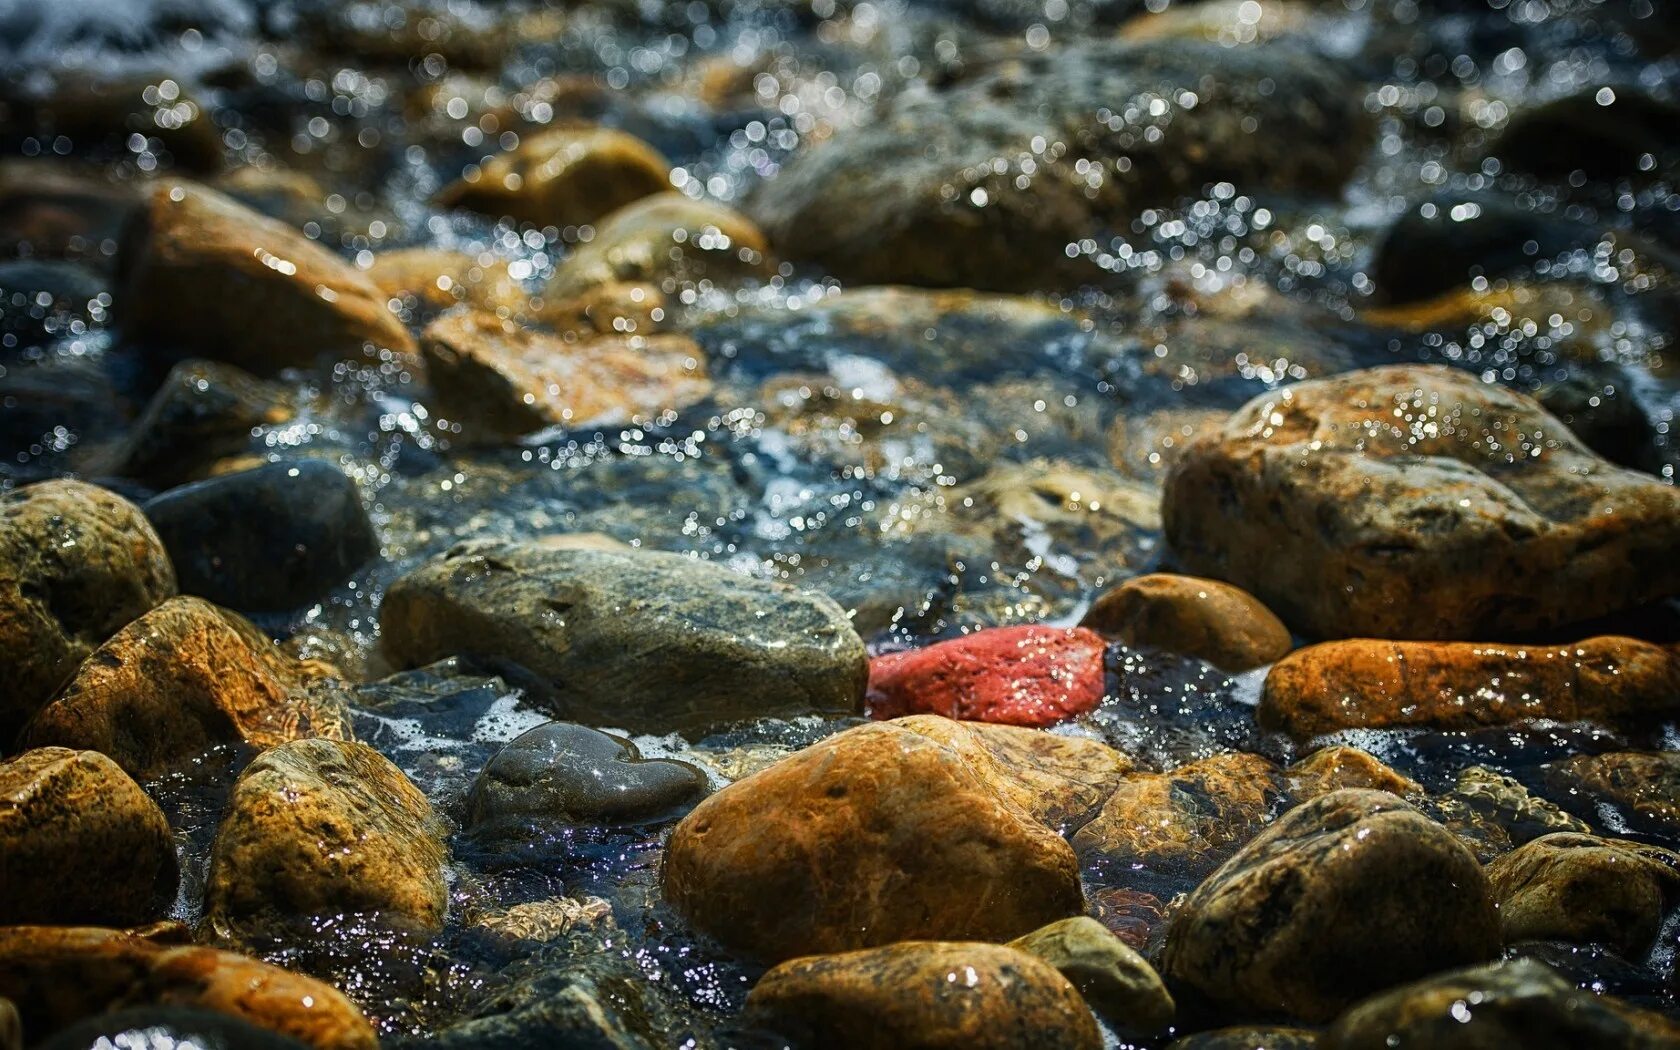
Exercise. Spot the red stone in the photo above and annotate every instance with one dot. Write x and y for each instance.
(1023, 676)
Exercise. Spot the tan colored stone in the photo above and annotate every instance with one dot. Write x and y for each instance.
(498, 379)
(1418, 502)
(1333, 768)
(322, 828)
(1344, 895)
(80, 842)
(616, 308)
(1492, 812)
(1115, 980)
(1207, 619)
(435, 279)
(563, 176)
(1463, 685)
(927, 995)
(667, 240)
(203, 275)
(181, 679)
(1144, 447)
(1647, 783)
(76, 564)
(875, 835)
(1192, 817)
(1587, 890)
(58, 975)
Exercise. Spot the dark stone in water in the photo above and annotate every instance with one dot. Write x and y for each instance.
(168, 1026)
(1605, 132)
(273, 538)
(1442, 243)
(204, 411)
(44, 300)
(561, 775)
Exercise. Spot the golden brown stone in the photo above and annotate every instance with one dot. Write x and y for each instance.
(1587, 890)
(1647, 783)
(183, 678)
(875, 835)
(322, 828)
(1213, 621)
(928, 995)
(76, 564)
(58, 975)
(1333, 768)
(80, 842)
(498, 379)
(666, 240)
(619, 307)
(563, 176)
(1461, 685)
(204, 275)
(435, 279)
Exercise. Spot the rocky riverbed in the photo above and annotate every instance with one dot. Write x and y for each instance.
(839, 523)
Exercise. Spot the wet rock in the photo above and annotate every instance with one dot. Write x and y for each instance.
(1344, 895)
(1225, 22)
(904, 996)
(1190, 818)
(667, 240)
(11, 1029)
(621, 307)
(181, 679)
(1518, 1003)
(1115, 980)
(1463, 685)
(431, 280)
(1418, 502)
(1145, 447)
(599, 1002)
(1209, 620)
(273, 538)
(546, 921)
(1613, 132)
(1334, 768)
(1644, 783)
(1492, 813)
(1249, 1037)
(967, 187)
(564, 176)
(76, 564)
(60, 975)
(195, 268)
(168, 1026)
(930, 848)
(561, 775)
(1585, 889)
(319, 828)
(204, 411)
(646, 641)
(498, 379)
(59, 413)
(99, 115)
(41, 301)
(1025, 676)
(51, 208)
(64, 812)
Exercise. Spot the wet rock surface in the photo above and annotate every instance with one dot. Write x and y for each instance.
(1115, 980)
(205, 411)
(1585, 889)
(325, 827)
(271, 538)
(636, 640)
(902, 996)
(1182, 614)
(63, 811)
(181, 679)
(77, 563)
(1450, 508)
(1249, 938)
(1029, 676)
(563, 177)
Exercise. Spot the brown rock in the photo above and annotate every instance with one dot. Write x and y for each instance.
(76, 563)
(1190, 818)
(621, 308)
(1249, 1037)
(1647, 783)
(80, 842)
(497, 379)
(563, 176)
(203, 275)
(875, 835)
(1586, 890)
(1419, 502)
(11, 1027)
(1333, 768)
(181, 679)
(667, 240)
(432, 280)
(1115, 980)
(924, 994)
(58, 975)
(1212, 621)
(1517, 1003)
(1492, 812)
(1344, 895)
(205, 411)
(321, 828)
(1463, 685)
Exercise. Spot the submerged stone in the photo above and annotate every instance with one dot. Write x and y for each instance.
(562, 176)
(1207, 619)
(1115, 980)
(205, 411)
